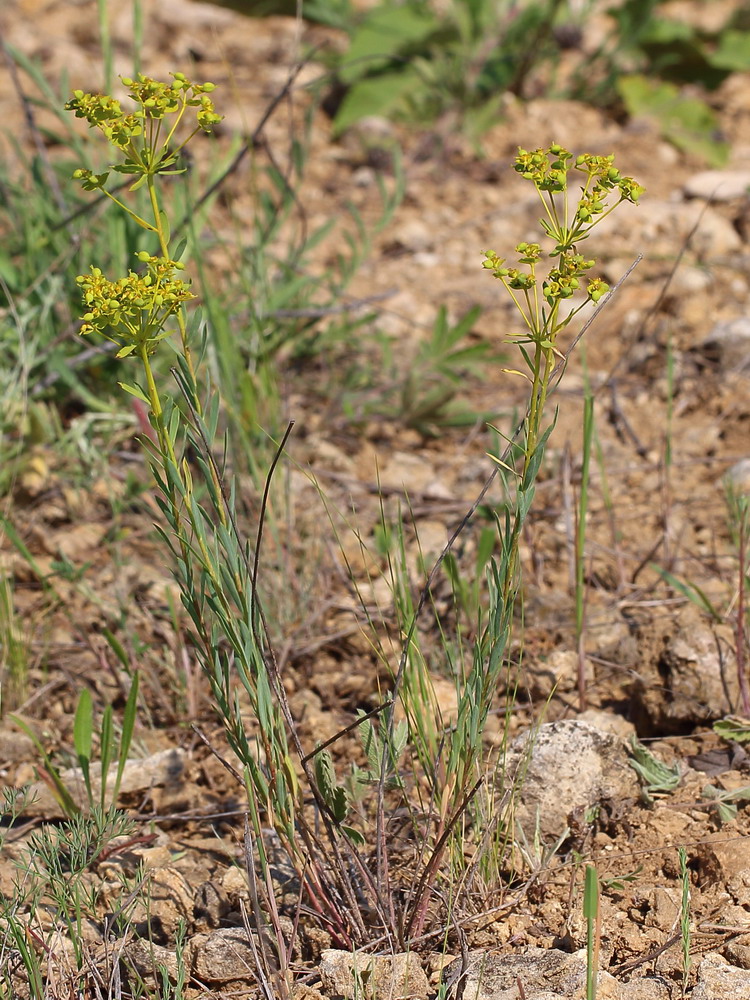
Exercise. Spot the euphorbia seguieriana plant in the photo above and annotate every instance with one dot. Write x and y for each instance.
(215, 569)
(542, 285)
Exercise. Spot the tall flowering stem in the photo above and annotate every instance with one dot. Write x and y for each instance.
(212, 564)
(603, 189)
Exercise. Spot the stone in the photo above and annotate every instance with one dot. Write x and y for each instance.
(722, 859)
(165, 902)
(223, 956)
(548, 974)
(148, 959)
(691, 680)
(166, 767)
(557, 672)
(738, 953)
(372, 977)
(718, 185)
(728, 343)
(408, 472)
(738, 476)
(718, 979)
(668, 224)
(738, 887)
(608, 722)
(565, 767)
(15, 745)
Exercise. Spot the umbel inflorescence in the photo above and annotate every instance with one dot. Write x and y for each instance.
(132, 311)
(603, 189)
(145, 136)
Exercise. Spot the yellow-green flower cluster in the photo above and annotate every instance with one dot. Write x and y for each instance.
(563, 281)
(512, 277)
(105, 113)
(154, 100)
(158, 99)
(597, 289)
(132, 311)
(548, 169)
(560, 283)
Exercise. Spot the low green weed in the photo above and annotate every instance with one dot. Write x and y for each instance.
(685, 928)
(429, 391)
(418, 62)
(650, 58)
(724, 801)
(592, 916)
(656, 777)
(52, 894)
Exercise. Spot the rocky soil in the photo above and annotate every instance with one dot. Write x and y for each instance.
(658, 666)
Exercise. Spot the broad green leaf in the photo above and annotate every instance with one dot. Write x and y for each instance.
(164, 221)
(687, 122)
(733, 730)
(106, 747)
(666, 31)
(377, 95)
(732, 52)
(354, 835)
(181, 246)
(83, 727)
(385, 33)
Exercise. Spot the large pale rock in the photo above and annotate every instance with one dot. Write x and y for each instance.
(719, 185)
(548, 974)
(691, 678)
(165, 902)
(728, 343)
(160, 769)
(372, 977)
(722, 859)
(223, 956)
(665, 225)
(148, 959)
(564, 767)
(718, 980)
(737, 952)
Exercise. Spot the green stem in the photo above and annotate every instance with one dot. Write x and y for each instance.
(164, 246)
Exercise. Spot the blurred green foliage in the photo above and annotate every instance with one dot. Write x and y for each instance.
(418, 60)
